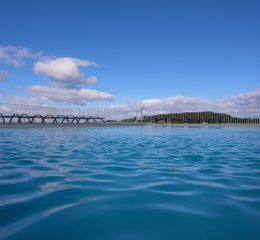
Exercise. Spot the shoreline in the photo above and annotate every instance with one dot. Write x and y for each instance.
(43, 125)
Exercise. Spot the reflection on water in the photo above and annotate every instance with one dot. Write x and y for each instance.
(130, 183)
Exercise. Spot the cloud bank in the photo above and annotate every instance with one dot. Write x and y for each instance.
(187, 104)
(63, 94)
(65, 70)
(182, 104)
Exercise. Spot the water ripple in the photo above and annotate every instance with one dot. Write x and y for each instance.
(131, 182)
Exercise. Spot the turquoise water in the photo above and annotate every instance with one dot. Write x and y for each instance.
(130, 183)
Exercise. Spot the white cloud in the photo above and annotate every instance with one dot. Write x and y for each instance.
(236, 106)
(242, 100)
(186, 104)
(15, 55)
(26, 100)
(64, 73)
(58, 94)
(62, 94)
(182, 104)
(4, 75)
(64, 69)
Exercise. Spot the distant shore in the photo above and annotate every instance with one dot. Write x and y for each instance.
(37, 125)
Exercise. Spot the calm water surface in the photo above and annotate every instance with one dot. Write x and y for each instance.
(130, 183)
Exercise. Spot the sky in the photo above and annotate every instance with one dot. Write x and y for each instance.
(130, 52)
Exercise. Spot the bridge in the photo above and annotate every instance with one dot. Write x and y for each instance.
(24, 118)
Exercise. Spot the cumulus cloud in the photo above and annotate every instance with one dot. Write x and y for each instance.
(63, 74)
(4, 75)
(65, 70)
(16, 55)
(58, 94)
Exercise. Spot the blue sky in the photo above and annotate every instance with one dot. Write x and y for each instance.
(142, 50)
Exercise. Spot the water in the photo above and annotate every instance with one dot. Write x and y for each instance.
(130, 183)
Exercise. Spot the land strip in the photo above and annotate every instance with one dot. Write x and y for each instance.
(43, 125)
